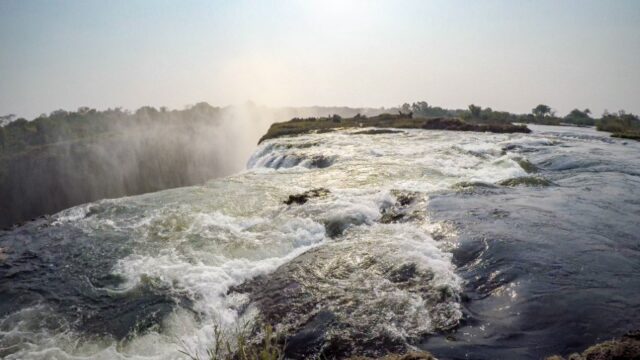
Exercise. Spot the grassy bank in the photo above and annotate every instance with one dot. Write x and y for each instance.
(620, 125)
(634, 135)
(299, 126)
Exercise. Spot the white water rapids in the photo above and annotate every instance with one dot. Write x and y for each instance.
(196, 244)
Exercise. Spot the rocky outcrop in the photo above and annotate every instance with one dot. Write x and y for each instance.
(534, 181)
(625, 348)
(384, 122)
(305, 196)
(460, 125)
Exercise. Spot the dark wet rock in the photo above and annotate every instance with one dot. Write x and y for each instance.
(311, 337)
(455, 124)
(526, 181)
(403, 273)
(298, 145)
(139, 316)
(444, 230)
(324, 131)
(376, 132)
(473, 184)
(625, 348)
(405, 199)
(328, 302)
(320, 162)
(335, 227)
(402, 210)
(305, 196)
(137, 311)
(511, 147)
(499, 213)
(108, 280)
(392, 217)
(527, 166)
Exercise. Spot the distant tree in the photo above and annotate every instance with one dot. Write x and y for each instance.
(420, 108)
(5, 119)
(619, 122)
(3, 139)
(475, 111)
(59, 113)
(577, 114)
(579, 117)
(541, 111)
(83, 110)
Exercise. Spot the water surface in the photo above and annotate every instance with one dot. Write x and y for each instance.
(469, 245)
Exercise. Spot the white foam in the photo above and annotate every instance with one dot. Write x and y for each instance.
(200, 246)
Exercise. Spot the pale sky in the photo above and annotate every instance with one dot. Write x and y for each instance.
(510, 55)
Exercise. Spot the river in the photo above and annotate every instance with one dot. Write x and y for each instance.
(468, 245)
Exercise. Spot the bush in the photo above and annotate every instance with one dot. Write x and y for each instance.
(619, 123)
(268, 348)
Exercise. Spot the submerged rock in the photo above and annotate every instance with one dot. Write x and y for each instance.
(625, 348)
(305, 196)
(310, 338)
(334, 227)
(527, 166)
(299, 145)
(376, 132)
(526, 181)
(402, 210)
(320, 162)
(348, 299)
(403, 273)
(473, 184)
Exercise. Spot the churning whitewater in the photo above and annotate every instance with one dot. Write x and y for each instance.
(372, 258)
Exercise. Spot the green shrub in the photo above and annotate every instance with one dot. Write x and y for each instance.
(269, 348)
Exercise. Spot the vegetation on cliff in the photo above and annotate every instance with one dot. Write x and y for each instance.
(72, 157)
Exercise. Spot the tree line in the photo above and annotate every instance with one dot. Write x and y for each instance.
(620, 122)
(17, 135)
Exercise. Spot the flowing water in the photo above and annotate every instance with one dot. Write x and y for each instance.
(469, 245)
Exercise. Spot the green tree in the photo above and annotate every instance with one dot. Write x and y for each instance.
(2, 138)
(541, 111)
(5, 119)
(475, 111)
(579, 117)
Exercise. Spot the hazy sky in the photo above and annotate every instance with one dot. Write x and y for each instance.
(510, 55)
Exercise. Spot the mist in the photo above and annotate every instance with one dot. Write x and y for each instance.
(68, 158)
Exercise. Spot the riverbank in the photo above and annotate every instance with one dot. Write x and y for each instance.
(300, 126)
